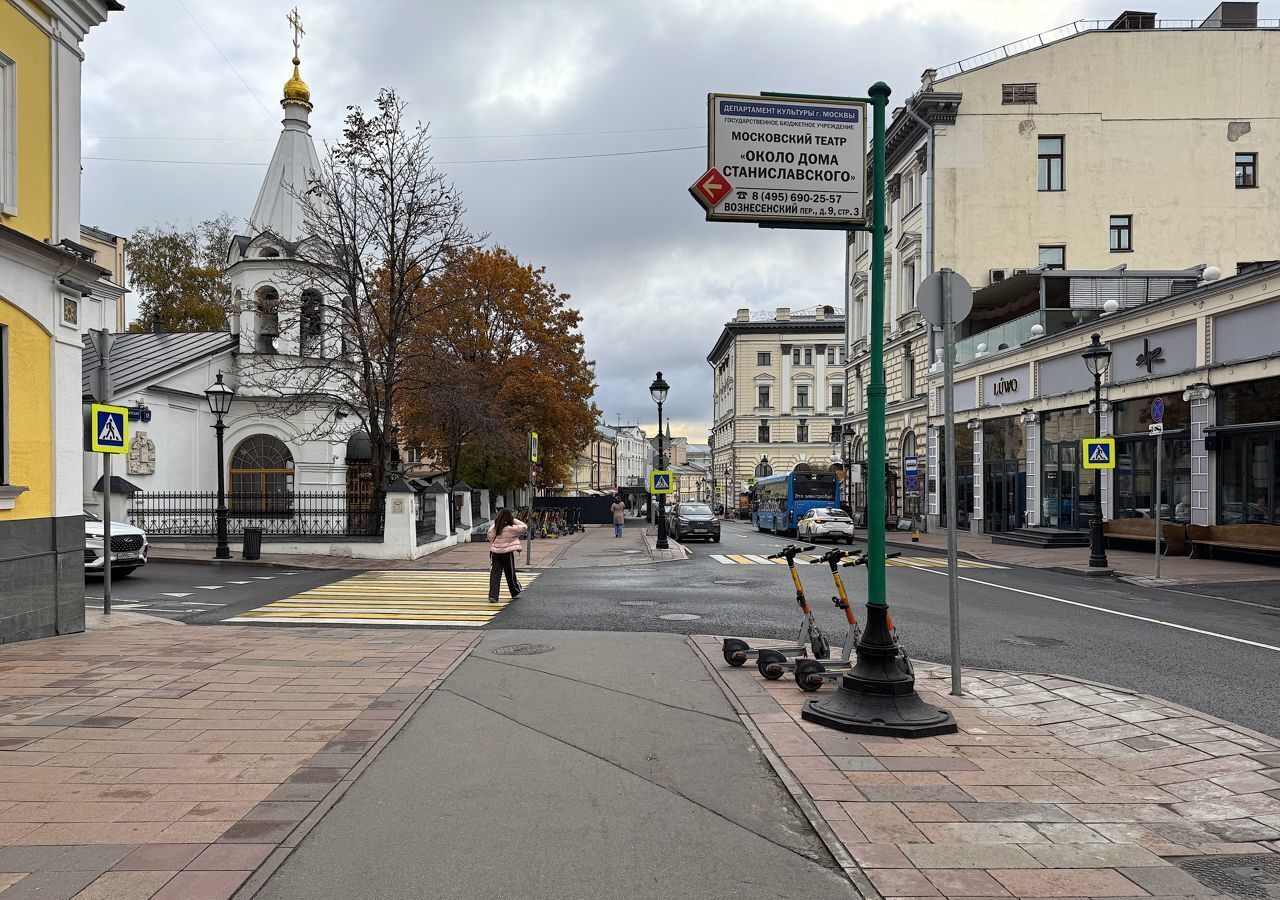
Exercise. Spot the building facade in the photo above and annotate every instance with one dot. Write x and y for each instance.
(1206, 349)
(1049, 158)
(778, 393)
(45, 276)
(635, 456)
(105, 307)
(595, 471)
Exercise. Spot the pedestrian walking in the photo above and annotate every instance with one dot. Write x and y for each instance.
(619, 510)
(504, 537)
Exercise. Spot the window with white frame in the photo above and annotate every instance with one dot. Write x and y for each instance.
(8, 136)
(808, 356)
(802, 396)
(831, 355)
(762, 396)
(909, 286)
(837, 396)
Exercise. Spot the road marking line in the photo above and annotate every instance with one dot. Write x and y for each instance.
(759, 559)
(209, 587)
(720, 558)
(741, 560)
(163, 594)
(1113, 612)
(239, 582)
(262, 577)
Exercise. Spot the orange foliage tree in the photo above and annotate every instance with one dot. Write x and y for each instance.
(501, 356)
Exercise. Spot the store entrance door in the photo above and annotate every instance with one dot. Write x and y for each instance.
(1004, 491)
(1060, 507)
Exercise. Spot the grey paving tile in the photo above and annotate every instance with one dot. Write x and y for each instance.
(1166, 881)
(1013, 812)
(969, 856)
(48, 885)
(1092, 856)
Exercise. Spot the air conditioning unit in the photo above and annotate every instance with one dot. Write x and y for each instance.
(1021, 271)
(997, 275)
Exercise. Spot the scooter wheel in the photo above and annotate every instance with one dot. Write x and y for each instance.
(770, 663)
(821, 649)
(735, 651)
(808, 675)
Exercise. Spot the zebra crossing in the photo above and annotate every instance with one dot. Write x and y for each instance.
(912, 562)
(404, 598)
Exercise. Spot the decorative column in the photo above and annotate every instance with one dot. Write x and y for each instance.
(1200, 396)
(932, 443)
(819, 401)
(1031, 422)
(976, 520)
(784, 389)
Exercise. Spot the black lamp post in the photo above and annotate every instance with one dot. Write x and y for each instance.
(658, 391)
(220, 396)
(1097, 356)
(846, 445)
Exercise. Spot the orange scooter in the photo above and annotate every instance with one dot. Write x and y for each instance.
(812, 674)
(774, 662)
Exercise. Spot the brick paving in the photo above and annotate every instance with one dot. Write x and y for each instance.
(161, 762)
(1053, 787)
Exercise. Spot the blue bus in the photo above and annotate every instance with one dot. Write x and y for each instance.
(781, 500)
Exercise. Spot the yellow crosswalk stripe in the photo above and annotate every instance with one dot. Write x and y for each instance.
(390, 598)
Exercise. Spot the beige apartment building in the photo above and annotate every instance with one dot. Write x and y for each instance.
(1138, 143)
(778, 393)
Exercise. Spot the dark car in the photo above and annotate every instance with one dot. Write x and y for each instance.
(693, 520)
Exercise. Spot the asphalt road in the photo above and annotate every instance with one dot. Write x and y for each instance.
(1218, 654)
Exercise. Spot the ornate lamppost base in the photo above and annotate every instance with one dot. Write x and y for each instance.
(878, 696)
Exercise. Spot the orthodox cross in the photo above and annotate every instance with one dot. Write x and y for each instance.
(296, 22)
(1150, 355)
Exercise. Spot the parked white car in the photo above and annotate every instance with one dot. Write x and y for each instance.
(825, 523)
(129, 547)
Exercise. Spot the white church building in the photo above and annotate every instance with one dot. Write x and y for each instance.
(298, 471)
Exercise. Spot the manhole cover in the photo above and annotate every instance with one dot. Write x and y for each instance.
(1026, 640)
(1252, 877)
(679, 617)
(522, 649)
(642, 602)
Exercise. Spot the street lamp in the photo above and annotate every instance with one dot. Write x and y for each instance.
(763, 469)
(220, 396)
(1097, 356)
(658, 391)
(847, 432)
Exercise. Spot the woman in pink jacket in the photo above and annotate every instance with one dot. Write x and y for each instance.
(504, 534)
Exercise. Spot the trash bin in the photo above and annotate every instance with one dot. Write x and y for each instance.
(252, 543)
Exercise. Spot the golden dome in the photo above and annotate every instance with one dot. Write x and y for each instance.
(295, 89)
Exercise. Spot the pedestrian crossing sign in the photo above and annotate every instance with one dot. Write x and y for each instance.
(661, 481)
(108, 428)
(1099, 453)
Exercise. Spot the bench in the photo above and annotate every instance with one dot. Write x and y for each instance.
(1263, 539)
(1173, 535)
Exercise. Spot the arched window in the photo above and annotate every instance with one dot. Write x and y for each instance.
(311, 323)
(269, 252)
(268, 319)
(262, 474)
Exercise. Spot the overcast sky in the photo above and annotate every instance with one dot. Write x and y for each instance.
(505, 80)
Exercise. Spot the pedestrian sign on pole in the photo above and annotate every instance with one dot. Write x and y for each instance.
(108, 428)
(661, 481)
(533, 446)
(1099, 453)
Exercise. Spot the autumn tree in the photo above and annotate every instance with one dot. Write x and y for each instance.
(380, 223)
(180, 275)
(501, 356)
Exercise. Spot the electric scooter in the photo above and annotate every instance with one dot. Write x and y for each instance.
(811, 674)
(773, 663)
(737, 651)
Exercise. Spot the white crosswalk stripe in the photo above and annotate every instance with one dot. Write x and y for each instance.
(454, 599)
(919, 562)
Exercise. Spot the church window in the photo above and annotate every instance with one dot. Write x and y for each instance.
(261, 475)
(269, 252)
(312, 323)
(268, 319)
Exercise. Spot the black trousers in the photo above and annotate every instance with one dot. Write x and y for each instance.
(502, 564)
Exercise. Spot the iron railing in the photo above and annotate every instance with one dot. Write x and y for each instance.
(425, 519)
(278, 514)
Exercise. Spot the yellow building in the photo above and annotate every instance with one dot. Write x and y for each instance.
(44, 276)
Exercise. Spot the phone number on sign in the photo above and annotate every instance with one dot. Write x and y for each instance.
(795, 197)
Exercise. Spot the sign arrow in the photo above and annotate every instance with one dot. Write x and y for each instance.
(711, 188)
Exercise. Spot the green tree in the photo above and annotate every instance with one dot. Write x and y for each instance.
(180, 274)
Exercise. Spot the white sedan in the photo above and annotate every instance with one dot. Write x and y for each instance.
(825, 523)
(129, 547)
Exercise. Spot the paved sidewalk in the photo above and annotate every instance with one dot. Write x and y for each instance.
(1053, 787)
(152, 761)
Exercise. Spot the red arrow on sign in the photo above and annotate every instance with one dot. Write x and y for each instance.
(711, 188)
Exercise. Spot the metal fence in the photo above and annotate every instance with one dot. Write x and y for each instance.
(426, 514)
(282, 514)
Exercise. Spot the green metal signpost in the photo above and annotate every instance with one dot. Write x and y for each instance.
(878, 695)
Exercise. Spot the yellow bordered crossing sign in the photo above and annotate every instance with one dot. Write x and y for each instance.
(1098, 453)
(662, 481)
(108, 428)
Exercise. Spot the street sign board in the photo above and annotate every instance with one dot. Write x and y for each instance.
(787, 159)
(108, 428)
(1156, 428)
(911, 465)
(661, 481)
(929, 298)
(1157, 409)
(533, 446)
(711, 188)
(1098, 453)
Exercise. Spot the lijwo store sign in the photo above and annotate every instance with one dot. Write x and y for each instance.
(785, 159)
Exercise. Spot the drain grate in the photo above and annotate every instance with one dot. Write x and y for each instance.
(1252, 877)
(522, 649)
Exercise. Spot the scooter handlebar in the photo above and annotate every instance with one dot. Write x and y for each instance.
(861, 559)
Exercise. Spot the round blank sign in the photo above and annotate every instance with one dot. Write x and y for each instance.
(929, 298)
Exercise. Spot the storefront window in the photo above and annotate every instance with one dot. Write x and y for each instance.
(1068, 491)
(1248, 435)
(1135, 474)
(1004, 464)
(964, 479)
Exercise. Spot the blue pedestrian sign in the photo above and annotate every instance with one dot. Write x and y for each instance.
(108, 428)
(1157, 409)
(661, 481)
(1099, 453)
